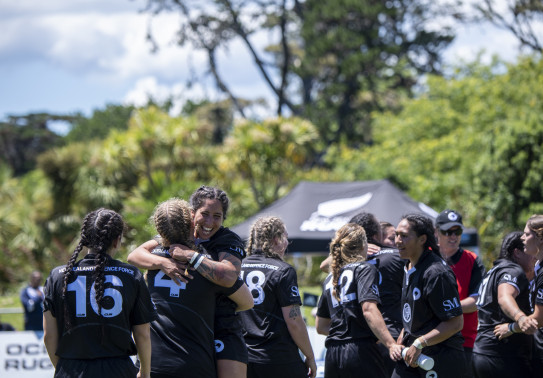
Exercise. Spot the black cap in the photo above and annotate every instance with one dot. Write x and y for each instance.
(448, 219)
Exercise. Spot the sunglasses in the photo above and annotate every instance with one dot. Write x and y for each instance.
(456, 232)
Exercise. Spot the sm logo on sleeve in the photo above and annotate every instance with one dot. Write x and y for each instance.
(451, 304)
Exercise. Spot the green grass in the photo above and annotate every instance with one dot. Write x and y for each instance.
(12, 301)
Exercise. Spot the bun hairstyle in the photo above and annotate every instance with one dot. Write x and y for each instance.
(348, 245)
(99, 230)
(262, 236)
(173, 220)
(197, 199)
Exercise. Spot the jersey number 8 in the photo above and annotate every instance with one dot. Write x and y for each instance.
(255, 280)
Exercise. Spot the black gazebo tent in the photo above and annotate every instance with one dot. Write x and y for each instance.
(313, 211)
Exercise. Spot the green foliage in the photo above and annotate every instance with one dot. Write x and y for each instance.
(471, 142)
(269, 155)
(24, 138)
(100, 124)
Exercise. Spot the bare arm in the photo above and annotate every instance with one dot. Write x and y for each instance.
(223, 272)
(375, 321)
(506, 299)
(243, 298)
(468, 304)
(144, 259)
(298, 331)
(323, 325)
(142, 337)
(522, 323)
(50, 336)
(442, 332)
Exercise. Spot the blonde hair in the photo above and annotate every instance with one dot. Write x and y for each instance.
(348, 245)
(262, 236)
(173, 220)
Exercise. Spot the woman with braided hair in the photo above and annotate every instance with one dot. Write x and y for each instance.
(217, 257)
(93, 307)
(347, 311)
(274, 328)
(182, 336)
(431, 312)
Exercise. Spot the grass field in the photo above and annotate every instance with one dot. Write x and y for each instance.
(11, 301)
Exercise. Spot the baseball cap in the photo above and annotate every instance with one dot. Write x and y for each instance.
(448, 219)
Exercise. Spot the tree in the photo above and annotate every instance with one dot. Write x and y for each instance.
(268, 156)
(364, 56)
(521, 17)
(471, 142)
(100, 124)
(350, 56)
(23, 138)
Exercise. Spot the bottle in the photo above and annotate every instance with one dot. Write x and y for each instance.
(424, 362)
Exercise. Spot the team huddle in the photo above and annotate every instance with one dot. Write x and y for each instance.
(210, 305)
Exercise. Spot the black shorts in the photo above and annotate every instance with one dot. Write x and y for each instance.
(275, 370)
(229, 341)
(448, 363)
(500, 367)
(121, 367)
(231, 347)
(351, 359)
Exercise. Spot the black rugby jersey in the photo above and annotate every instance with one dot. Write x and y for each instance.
(274, 285)
(490, 314)
(391, 272)
(182, 336)
(227, 322)
(538, 301)
(126, 303)
(429, 296)
(358, 283)
(224, 240)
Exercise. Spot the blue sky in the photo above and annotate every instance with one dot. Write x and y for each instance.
(67, 56)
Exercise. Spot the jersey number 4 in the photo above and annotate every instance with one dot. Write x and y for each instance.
(79, 286)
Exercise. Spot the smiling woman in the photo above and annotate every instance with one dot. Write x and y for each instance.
(432, 315)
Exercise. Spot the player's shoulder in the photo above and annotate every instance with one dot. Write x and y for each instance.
(226, 240)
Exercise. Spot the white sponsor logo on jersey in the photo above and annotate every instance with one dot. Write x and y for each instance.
(540, 294)
(295, 291)
(375, 289)
(416, 293)
(407, 312)
(508, 277)
(450, 304)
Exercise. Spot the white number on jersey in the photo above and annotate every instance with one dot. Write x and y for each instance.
(483, 288)
(79, 286)
(345, 281)
(255, 280)
(160, 281)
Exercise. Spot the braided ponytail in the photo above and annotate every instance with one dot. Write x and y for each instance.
(348, 245)
(263, 235)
